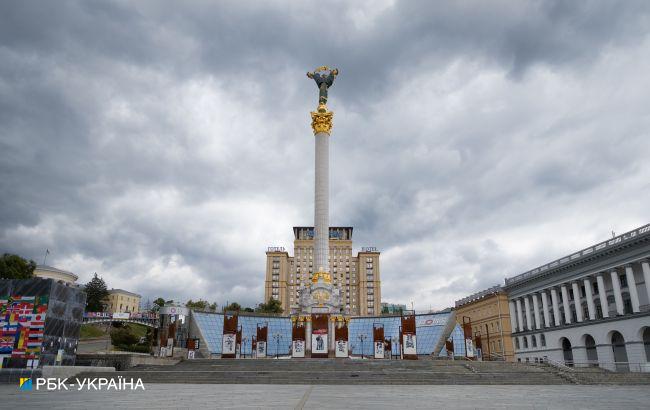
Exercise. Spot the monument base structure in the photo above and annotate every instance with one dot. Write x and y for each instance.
(291, 336)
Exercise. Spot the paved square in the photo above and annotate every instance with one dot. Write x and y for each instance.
(184, 396)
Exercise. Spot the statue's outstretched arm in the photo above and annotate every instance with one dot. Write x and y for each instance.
(310, 75)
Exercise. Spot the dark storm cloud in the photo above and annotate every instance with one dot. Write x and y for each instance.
(166, 146)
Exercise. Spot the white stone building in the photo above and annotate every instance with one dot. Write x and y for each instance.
(591, 308)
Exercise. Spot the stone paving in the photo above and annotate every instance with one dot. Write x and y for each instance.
(188, 396)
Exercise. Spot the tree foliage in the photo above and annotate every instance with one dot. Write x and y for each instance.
(14, 267)
(272, 306)
(201, 305)
(233, 307)
(96, 294)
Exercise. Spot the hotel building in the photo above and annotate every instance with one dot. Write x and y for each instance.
(356, 277)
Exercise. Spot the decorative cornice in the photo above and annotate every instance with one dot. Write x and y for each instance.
(321, 120)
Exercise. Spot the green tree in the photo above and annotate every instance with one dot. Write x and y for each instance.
(15, 267)
(96, 294)
(201, 305)
(272, 306)
(157, 304)
(233, 307)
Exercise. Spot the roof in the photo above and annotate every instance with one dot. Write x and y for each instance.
(55, 270)
(607, 246)
(479, 295)
(126, 292)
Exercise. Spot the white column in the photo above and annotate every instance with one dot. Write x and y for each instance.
(631, 286)
(590, 299)
(577, 304)
(321, 204)
(547, 319)
(618, 296)
(602, 295)
(513, 316)
(529, 322)
(565, 304)
(520, 317)
(646, 277)
(538, 321)
(556, 306)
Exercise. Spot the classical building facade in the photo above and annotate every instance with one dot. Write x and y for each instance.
(48, 272)
(122, 301)
(356, 277)
(589, 308)
(488, 313)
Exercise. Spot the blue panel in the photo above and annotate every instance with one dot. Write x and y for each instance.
(429, 329)
(211, 325)
(459, 342)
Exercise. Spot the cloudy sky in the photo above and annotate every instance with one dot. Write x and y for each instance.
(165, 146)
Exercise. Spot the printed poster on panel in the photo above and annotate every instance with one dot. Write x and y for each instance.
(341, 348)
(228, 344)
(469, 347)
(261, 349)
(410, 344)
(298, 348)
(319, 342)
(379, 349)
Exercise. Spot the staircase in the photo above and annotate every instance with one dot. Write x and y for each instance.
(338, 372)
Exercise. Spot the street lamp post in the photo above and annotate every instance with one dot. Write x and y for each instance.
(362, 337)
(243, 345)
(277, 337)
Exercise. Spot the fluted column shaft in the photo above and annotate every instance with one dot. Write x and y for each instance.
(529, 322)
(645, 265)
(513, 316)
(520, 317)
(556, 307)
(565, 304)
(547, 319)
(538, 321)
(321, 204)
(604, 305)
(618, 296)
(577, 304)
(631, 286)
(590, 299)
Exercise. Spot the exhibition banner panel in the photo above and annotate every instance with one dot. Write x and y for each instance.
(298, 349)
(341, 348)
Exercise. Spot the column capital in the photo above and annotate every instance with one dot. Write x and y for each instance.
(321, 120)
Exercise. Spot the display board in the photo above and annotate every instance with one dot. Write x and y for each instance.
(230, 336)
(298, 348)
(341, 338)
(319, 334)
(261, 340)
(378, 340)
(408, 336)
(298, 330)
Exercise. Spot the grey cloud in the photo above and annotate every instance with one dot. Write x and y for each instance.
(165, 147)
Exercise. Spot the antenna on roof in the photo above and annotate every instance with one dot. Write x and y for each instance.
(613, 234)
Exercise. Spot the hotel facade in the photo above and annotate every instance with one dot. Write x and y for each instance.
(357, 277)
(590, 308)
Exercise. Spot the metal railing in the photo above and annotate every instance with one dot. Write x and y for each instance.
(618, 367)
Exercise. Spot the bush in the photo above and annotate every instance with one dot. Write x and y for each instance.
(134, 348)
(122, 337)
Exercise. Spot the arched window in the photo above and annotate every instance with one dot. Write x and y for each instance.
(646, 343)
(517, 343)
(620, 353)
(542, 340)
(525, 342)
(534, 340)
(592, 354)
(567, 352)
